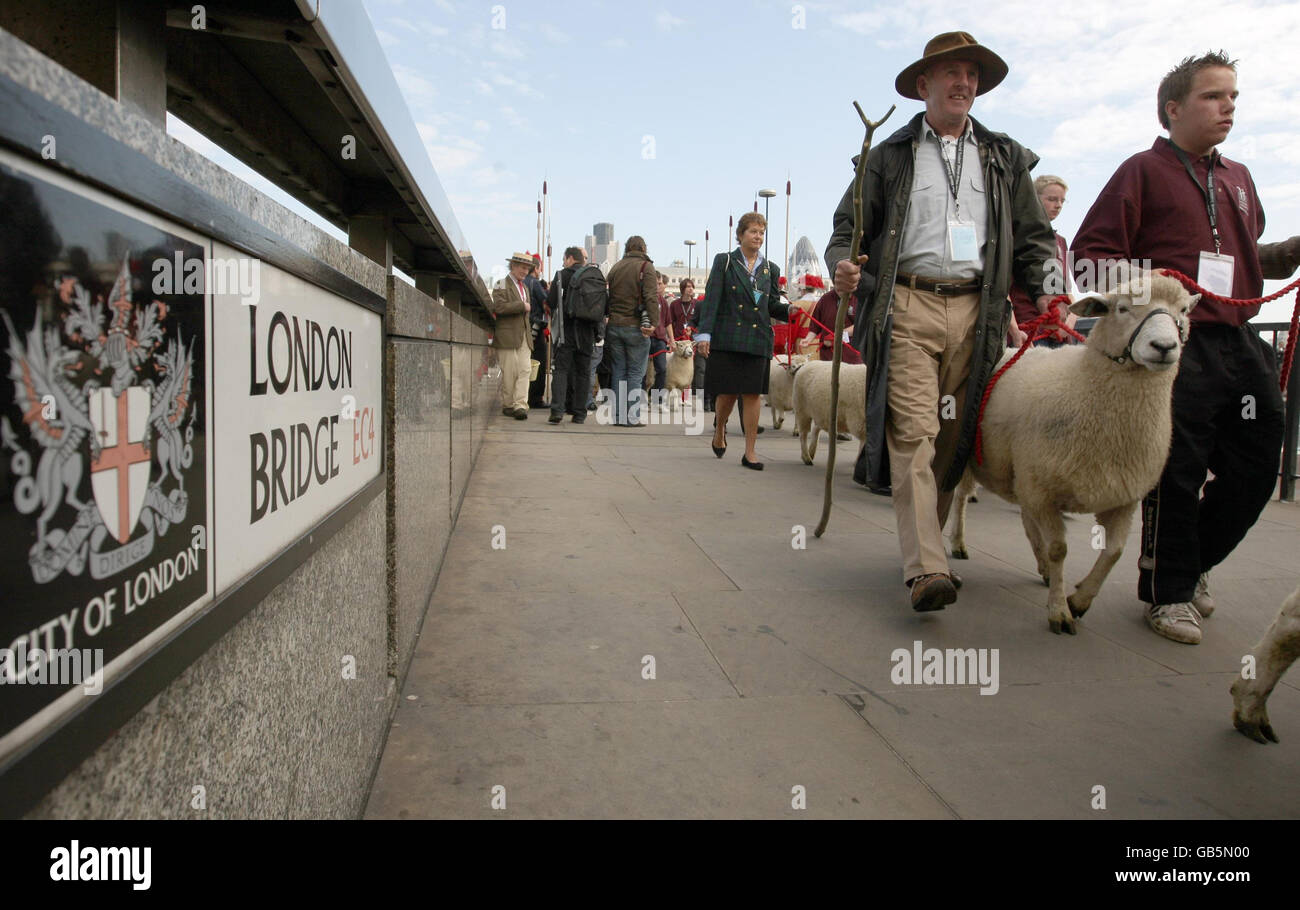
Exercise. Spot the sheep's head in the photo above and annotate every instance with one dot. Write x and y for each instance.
(1144, 320)
(683, 348)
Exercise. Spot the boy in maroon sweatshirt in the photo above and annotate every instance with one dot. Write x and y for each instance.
(1181, 205)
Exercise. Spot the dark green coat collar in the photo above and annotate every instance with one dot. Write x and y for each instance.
(736, 263)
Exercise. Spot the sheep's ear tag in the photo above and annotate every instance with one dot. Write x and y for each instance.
(1091, 305)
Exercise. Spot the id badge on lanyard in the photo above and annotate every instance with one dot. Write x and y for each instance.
(961, 242)
(1214, 270)
(962, 246)
(1215, 273)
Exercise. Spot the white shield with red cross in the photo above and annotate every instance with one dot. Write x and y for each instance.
(119, 477)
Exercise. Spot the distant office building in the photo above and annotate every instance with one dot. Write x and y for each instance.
(604, 249)
(804, 261)
(589, 244)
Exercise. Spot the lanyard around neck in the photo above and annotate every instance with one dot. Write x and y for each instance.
(953, 174)
(1207, 191)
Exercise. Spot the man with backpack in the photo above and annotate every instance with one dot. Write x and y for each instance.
(577, 302)
(633, 314)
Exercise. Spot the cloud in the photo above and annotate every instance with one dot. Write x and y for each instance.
(448, 153)
(491, 175)
(483, 88)
(553, 34)
(387, 39)
(864, 23)
(505, 46)
(667, 21)
(522, 87)
(513, 117)
(445, 6)
(482, 126)
(415, 88)
(615, 42)
(1101, 131)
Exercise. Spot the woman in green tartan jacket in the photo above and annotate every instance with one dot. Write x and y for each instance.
(741, 299)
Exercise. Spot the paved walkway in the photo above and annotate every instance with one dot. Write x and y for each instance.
(772, 665)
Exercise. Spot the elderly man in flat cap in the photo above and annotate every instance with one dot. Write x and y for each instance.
(950, 219)
(511, 336)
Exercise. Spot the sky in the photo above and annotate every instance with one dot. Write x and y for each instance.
(665, 118)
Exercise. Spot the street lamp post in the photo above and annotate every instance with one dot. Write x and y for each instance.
(689, 244)
(767, 207)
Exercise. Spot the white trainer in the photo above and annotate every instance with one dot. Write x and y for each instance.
(1202, 600)
(1177, 622)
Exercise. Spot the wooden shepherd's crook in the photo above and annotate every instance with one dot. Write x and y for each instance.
(859, 175)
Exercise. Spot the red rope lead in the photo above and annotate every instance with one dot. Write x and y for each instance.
(1289, 355)
(829, 331)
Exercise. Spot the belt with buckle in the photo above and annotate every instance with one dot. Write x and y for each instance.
(942, 288)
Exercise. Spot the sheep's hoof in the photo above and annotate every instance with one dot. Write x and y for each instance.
(1047, 582)
(960, 553)
(794, 432)
(1077, 607)
(1064, 624)
(808, 461)
(1260, 731)
(973, 498)
(1250, 713)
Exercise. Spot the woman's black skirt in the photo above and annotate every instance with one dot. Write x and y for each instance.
(732, 373)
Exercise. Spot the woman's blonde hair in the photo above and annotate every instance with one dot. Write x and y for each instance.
(1043, 182)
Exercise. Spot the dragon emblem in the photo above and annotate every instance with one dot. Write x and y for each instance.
(106, 390)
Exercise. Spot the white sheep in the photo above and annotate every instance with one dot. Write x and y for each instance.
(1276, 651)
(1085, 428)
(812, 403)
(780, 386)
(680, 369)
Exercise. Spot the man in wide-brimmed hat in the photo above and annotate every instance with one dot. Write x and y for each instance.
(511, 337)
(950, 219)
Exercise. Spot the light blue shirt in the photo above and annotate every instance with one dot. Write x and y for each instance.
(705, 336)
(924, 250)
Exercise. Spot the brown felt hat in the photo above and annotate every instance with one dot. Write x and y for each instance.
(954, 46)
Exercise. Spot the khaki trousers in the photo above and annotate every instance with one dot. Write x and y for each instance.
(929, 360)
(515, 367)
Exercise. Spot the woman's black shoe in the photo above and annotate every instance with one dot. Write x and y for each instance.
(718, 450)
(752, 465)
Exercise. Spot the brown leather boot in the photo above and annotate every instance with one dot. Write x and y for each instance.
(932, 592)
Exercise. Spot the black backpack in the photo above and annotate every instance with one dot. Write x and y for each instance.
(587, 296)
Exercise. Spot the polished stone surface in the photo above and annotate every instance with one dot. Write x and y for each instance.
(487, 394)
(414, 314)
(463, 359)
(421, 482)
